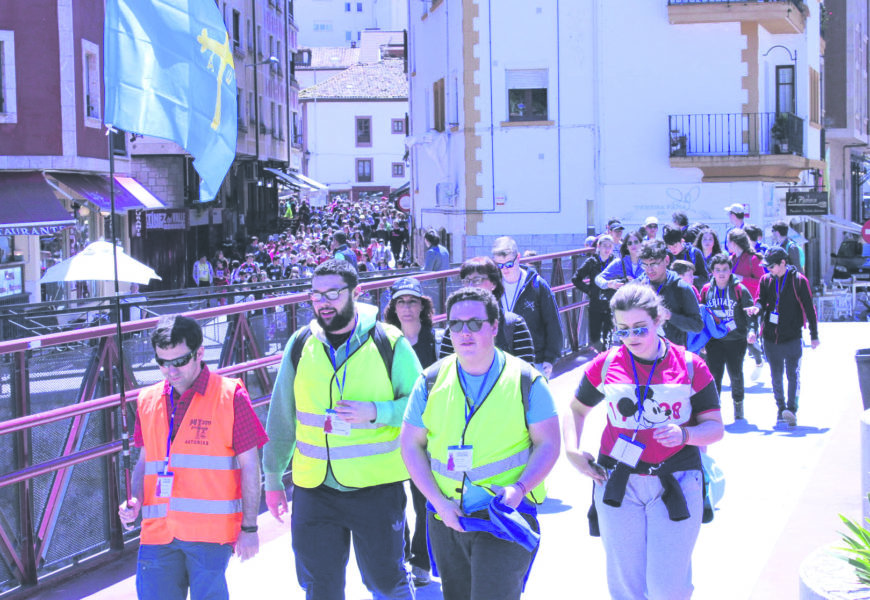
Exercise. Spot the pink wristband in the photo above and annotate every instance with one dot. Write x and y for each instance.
(520, 485)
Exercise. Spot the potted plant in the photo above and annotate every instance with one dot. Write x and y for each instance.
(779, 133)
(679, 143)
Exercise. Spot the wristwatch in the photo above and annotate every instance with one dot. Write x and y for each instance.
(249, 528)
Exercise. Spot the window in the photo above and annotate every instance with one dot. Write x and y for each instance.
(8, 107)
(527, 94)
(397, 126)
(260, 41)
(280, 122)
(359, 7)
(438, 105)
(240, 107)
(321, 26)
(250, 37)
(785, 89)
(348, 36)
(303, 58)
(815, 97)
(251, 117)
(347, 7)
(272, 123)
(364, 170)
(91, 83)
(237, 29)
(363, 131)
(398, 169)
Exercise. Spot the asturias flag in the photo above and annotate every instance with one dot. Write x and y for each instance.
(169, 73)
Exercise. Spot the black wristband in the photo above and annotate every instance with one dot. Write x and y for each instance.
(249, 528)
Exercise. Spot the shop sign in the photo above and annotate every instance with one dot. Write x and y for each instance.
(157, 220)
(806, 203)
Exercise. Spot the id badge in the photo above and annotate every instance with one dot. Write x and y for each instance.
(459, 458)
(773, 318)
(730, 325)
(335, 425)
(627, 451)
(164, 485)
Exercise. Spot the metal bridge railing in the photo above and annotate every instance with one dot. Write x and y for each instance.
(60, 433)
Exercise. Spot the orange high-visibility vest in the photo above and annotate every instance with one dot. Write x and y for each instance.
(206, 501)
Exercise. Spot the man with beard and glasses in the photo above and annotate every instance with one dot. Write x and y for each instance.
(339, 421)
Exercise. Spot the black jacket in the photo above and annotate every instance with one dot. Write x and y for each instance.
(696, 257)
(795, 307)
(679, 298)
(536, 303)
(598, 299)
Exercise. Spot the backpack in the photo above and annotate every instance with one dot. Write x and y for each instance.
(377, 333)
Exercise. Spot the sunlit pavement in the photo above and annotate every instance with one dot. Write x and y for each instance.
(783, 493)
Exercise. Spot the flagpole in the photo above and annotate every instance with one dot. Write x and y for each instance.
(125, 436)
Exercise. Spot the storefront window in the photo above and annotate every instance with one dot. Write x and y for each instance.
(7, 248)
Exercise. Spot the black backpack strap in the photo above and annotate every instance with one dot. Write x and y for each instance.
(385, 347)
(298, 343)
(525, 386)
(431, 374)
(510, 321)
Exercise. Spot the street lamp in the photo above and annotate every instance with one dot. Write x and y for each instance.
(271, 60)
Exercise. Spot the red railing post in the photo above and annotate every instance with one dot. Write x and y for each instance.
(26, 548)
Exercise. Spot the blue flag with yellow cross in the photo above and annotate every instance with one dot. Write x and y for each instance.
(169, 73)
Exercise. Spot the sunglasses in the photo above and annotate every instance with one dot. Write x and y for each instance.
(175, 362)
(632, 242)
(507, 265)
(474, 325)
(621, 334)
(474, 281)
(329, 295)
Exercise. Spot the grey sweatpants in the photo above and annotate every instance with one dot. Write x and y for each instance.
(648, 555)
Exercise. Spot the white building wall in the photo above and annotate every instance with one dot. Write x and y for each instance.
(327, 22)
(616, 70)
(331, 139)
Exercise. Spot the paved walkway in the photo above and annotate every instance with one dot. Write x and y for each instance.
(784, 491)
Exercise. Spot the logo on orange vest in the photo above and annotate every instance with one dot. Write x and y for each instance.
(201, 427)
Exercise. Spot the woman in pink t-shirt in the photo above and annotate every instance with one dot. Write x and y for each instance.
(648, 496)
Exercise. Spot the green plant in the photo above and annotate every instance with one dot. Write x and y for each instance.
(779, 131)
(858, 550)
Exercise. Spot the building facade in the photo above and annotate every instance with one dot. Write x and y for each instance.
(354, 129)
(55, 189)
(342, 23)
(847, 106)
(608, 110)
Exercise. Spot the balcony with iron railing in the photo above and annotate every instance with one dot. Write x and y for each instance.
(739, 146)
(776, 16)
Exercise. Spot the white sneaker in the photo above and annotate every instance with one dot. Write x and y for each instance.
(789, 417)
(756, 372)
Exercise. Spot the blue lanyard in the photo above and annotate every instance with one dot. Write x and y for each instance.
(346, 357)
(776, 281)
(659, 289)
(642, 399)
(171, 424)
(470, 408)
(721, 298)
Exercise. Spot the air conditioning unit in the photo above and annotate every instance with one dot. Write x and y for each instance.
(446, 193)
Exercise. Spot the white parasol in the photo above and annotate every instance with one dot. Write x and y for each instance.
(95, 263)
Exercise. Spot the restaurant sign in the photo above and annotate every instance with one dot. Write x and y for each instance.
(806, 203)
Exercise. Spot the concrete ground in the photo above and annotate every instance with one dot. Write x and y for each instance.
(784, 491)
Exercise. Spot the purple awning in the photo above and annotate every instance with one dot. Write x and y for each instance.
(29, 205)
(95, 188)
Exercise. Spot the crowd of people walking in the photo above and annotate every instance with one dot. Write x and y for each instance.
(364, 401)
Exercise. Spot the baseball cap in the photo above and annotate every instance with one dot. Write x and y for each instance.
(614, 225)
(407, 286)
(774, 256)
(651, 221)
(735, 208)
